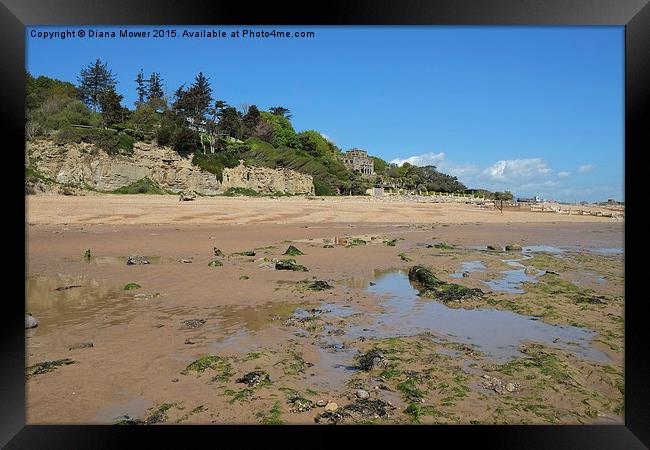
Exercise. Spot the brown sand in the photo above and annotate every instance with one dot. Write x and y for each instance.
(142, 209)
(139, 349)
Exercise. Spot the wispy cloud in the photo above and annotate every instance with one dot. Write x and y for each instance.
(426, 159)
(523, 177)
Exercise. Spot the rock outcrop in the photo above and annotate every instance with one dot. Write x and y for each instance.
(267, 181)
(85, 166)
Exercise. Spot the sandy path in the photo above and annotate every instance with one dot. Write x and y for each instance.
(147, 209)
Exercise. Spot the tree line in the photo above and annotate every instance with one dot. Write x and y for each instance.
(218, 134)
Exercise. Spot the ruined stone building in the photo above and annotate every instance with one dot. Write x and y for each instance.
(358, 161)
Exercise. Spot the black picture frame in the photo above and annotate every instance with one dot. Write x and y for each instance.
(633, 14)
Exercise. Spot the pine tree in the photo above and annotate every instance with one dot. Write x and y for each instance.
(155, 92)
(141, 88)
(93, 81)
(112, 110)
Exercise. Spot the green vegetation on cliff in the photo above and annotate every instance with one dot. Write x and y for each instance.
(192, 122)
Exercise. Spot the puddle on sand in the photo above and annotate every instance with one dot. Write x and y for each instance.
(512, 279)
(542, 249)
(79, 299)
(469, 267)
(134, 409)
(496, 333)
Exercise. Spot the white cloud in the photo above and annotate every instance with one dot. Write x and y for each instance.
(426, 159)
(509, 170)
(523, 177)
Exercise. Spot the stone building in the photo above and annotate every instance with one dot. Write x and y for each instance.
(358, 161)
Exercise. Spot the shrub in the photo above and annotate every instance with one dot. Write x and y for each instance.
(237, 191)
(142, 186)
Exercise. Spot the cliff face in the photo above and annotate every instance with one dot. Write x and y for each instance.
(267, 181)
(84, 165)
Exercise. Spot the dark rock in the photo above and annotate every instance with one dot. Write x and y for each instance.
(497, 248)
(65, 288)
(513, 248)
(217, 252)
(81, 345)
(329, 417)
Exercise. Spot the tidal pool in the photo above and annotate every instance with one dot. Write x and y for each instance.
(496, 333)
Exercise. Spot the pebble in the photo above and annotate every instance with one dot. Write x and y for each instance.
(362, 394)
(331, 406)
(321, 403)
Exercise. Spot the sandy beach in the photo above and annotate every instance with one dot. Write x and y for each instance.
(244, 342)
(164, 209)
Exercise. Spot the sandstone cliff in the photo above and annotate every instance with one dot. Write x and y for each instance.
(267, 181)
(83, 165)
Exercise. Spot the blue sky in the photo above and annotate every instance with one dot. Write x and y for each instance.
(535, 110)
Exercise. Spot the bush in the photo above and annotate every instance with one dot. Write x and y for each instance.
(185, 140)
(215, 163)
(142, 186)
(236, 191)
(109, 141)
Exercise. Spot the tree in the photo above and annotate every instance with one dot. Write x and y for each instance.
(94, 80)
(194, 102)
(112, 111)
(230, 122)
(141, 88)
(280, 111)
(155, 89)
(250, 120)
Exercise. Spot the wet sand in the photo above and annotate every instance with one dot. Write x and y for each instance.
(258, 318)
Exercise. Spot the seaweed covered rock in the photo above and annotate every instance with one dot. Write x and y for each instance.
(46, 366)
(513, 248)
(255, 378)
(366, 409)
(432, 287)
(329, 417)
(371, 359)
(136, 260)
(293, 251)
(215, 263)
(192, 324)
(290, 264)
(244, 253)
(319, 285)
(300, 404)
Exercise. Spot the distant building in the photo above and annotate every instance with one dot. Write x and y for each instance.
(358, 161)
